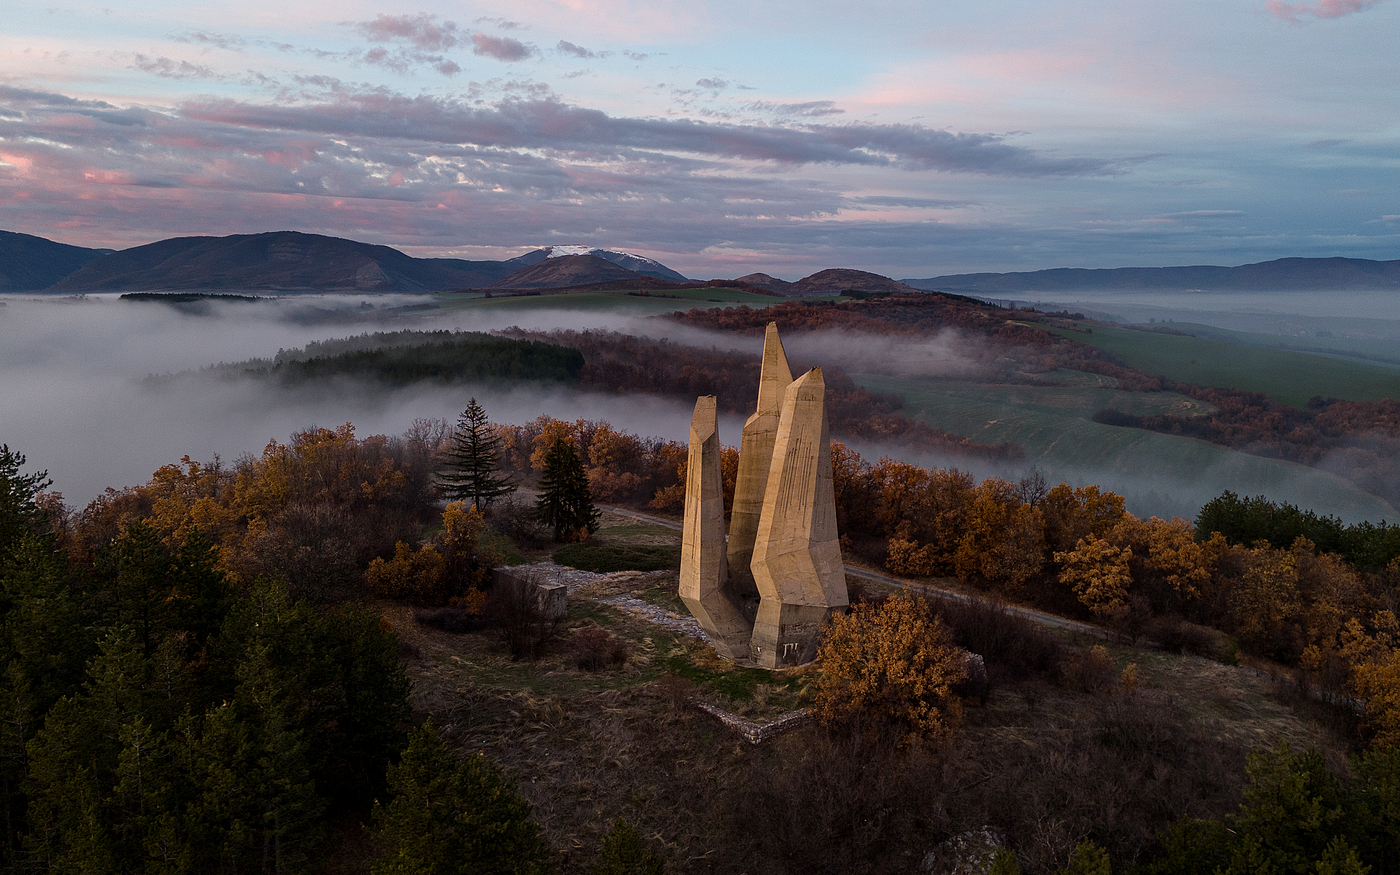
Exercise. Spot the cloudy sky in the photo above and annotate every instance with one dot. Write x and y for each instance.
(908, 137)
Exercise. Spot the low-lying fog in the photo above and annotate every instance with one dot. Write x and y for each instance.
(72, 398)
(73, 401)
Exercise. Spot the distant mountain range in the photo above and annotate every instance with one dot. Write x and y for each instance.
(1283, 274)
(276, 261)
(28, 263)
(290, 261)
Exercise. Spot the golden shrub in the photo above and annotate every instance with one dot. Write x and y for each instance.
(893, 662)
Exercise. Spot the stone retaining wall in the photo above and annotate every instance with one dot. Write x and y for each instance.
(756, 733)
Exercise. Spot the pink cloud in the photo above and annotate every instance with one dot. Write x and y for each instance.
(421, 30)
(1294, 12)
(502, 48)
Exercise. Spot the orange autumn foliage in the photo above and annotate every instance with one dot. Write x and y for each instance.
(894, 662)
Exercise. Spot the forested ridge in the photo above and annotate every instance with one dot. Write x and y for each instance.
(402, 358)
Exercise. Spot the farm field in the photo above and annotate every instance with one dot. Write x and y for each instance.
(1053, 423)
(1288, 377)
(1368, 349)
(611, 299)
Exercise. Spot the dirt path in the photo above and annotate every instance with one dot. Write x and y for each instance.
(928, 589)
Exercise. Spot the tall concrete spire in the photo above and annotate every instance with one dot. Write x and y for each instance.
(704, 584)
(797, 556)
(783, 528)
(755, 458)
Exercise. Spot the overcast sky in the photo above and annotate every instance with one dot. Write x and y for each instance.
(908, 137)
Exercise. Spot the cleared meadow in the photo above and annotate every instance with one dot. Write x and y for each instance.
(1286, 376)
(623, 300)
(1053, 423)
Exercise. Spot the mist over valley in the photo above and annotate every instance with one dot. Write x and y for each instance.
(84, 396)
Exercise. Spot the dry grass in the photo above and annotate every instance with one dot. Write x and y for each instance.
(1046, 762)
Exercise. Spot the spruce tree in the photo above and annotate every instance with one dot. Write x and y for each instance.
(473, 461)
(624, 853)
(566, 501)
(452, 815)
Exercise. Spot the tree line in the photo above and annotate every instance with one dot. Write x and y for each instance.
(1359, 440)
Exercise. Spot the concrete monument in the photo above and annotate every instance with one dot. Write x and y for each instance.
(764, 598)
(704, 569)
(797, 555)
(755, 460)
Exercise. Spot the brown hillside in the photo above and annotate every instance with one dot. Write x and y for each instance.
(766, 282)
(569, 270)
(830, 282)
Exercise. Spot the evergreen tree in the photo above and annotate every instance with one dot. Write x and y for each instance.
(1088, 859)
(474, 460)
(566, 501)
(1004, 862)
(18, 511)
(624, 853)
(453, 815)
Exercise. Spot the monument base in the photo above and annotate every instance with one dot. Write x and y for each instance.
(724, 622)
(786, 635)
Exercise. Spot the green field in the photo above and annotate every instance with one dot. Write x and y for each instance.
(614, 299)
(1286, 376)
(1052, 423)
(1368, 350)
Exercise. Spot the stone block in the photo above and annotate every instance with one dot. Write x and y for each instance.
(551, 599)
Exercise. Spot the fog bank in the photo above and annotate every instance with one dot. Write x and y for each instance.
(73, 401)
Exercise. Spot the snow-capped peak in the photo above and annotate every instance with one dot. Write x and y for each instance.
(640, 263)
(576, 249)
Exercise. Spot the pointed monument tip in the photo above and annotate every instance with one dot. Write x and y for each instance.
(704, 423)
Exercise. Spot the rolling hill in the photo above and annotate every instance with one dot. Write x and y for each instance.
(837, 280)
(29, 263)
(274, 261)
(565, 271)
(631, 261)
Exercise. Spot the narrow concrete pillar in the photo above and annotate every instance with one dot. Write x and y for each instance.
(755, 460)
(704, 585)
(797, 555)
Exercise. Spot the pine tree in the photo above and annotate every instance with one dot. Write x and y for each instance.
(18, 511)
(566, 501)
(1088, 859)
(473, 461)
(624, 853)
(452, 815)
